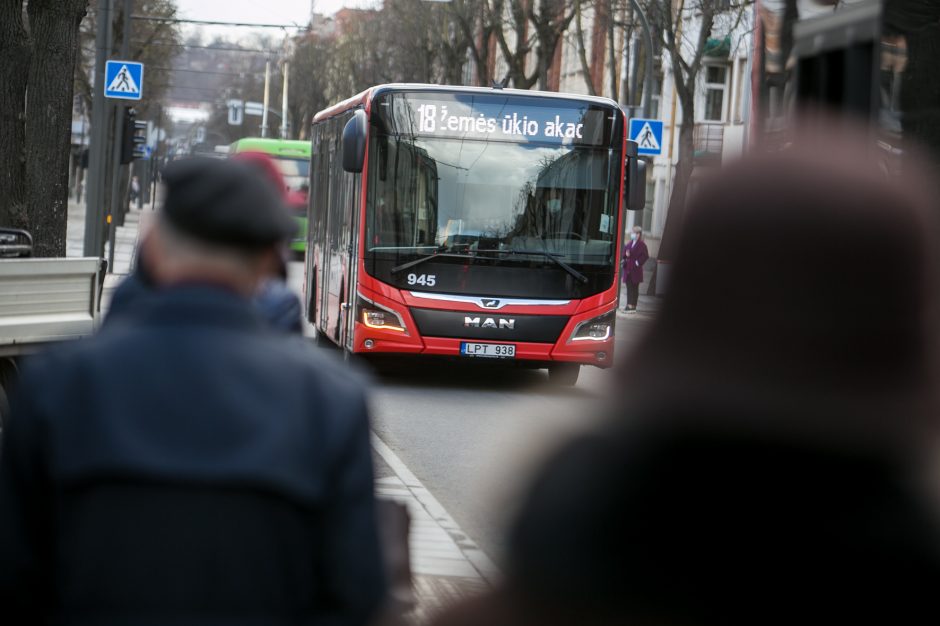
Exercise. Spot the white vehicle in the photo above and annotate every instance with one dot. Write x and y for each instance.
(41, 301)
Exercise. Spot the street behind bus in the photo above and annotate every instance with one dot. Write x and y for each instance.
(471, 432)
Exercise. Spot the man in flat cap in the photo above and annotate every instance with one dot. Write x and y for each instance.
(188, 465)
(227, 218)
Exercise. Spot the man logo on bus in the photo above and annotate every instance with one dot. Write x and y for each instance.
(490, 304)
(489, 322)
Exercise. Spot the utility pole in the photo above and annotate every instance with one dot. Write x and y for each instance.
(267, 92)
(98, 151)
(155, 161)
(284, 128)
(116, 196)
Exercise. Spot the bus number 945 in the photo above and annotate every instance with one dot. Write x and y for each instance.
(427, 280)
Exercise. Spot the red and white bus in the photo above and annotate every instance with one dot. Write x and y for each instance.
(469, 222)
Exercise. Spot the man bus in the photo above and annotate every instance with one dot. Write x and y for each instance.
(293, 159)
(469, 222)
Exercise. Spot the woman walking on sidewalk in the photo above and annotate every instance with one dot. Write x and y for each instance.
(635, 255)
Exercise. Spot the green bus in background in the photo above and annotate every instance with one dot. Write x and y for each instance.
(293, 159)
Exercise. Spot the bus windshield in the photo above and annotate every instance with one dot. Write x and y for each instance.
(295, 171)
(498, 206)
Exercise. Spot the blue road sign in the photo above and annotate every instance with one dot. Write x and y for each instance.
(123, 79)
(648, 134)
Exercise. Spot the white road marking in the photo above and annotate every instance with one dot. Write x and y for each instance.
(439, 546)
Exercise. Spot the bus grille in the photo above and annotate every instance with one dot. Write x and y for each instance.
(489, 325)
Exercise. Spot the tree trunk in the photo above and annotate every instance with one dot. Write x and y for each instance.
(14, 69)
(582, 53)
(543, 62)
(684, 165)
(54, 27)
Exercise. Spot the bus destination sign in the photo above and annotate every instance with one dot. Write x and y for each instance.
(502, 118)
(432, 117)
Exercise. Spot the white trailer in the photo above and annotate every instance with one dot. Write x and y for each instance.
(43, 301)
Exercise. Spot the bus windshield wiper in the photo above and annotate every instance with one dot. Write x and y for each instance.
(437, 255)
(554, 257)
(430, 257)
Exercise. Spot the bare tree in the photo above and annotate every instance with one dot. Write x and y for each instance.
(309, 86)
(604, 25)
(412, 30)
(548, 19)
(478, 25)
(358, 60)
(429, 42)
(39, 56)
(582, 51)
(684, 27)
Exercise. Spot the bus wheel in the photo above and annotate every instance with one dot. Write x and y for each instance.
(564, 374)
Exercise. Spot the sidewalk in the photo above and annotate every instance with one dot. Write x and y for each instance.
(447, 565)
(126, 237)
(646, 307)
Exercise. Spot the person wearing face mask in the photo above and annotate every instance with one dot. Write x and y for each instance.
(277, 304)
(635, 255)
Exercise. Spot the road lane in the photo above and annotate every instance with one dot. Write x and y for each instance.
(472, 431)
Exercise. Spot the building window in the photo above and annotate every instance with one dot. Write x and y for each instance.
(716, 85)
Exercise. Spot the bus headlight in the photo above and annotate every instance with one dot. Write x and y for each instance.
(374, 315)
(599, 328)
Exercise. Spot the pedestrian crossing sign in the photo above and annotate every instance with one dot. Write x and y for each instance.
(123, 79)
(648, 134)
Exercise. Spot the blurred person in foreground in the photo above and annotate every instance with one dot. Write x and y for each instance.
(278, 305)
(773, 461)
(275, 300)
(189, 465)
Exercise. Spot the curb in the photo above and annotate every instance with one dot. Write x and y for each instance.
(481, 565)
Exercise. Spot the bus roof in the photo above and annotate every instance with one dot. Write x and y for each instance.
(290, 148)
(363, 98)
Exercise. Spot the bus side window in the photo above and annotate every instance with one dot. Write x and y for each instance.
(383, 157)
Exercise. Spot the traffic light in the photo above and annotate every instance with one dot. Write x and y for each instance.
(134, 139)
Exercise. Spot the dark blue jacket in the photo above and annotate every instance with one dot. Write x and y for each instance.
(187, 465)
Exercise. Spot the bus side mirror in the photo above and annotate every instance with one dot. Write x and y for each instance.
(354, 142)
(637, 195)
(636, 179)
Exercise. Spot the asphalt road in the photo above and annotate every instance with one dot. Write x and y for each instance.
(473, 432)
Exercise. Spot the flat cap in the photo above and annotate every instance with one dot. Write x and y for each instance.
(225, 202)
